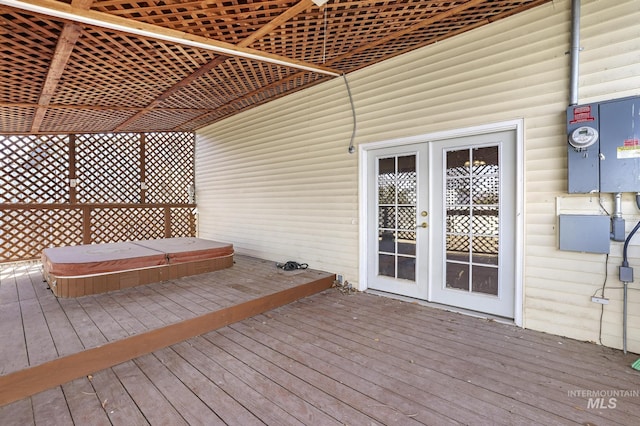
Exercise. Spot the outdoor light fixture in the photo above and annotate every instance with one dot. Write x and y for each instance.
(319, 2)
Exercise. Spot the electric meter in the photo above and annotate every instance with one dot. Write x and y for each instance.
(583, 137)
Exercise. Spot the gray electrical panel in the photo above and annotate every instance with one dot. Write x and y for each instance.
(584, 233)
(604, 146)
(583, 162)
(620, 146)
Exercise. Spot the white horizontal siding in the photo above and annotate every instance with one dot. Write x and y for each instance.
(277, 180)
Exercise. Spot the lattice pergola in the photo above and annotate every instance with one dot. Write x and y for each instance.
(84, 66)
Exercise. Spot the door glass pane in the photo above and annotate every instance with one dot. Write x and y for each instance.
(458, 247)
(458, 276)
(386, 241)
(397, 212)
(472, 219)
(407, 242)
(458, 191)
(407, 217)
(407, 268)
(386, 167)
(387, 217)
(485, 250)
(386, 265)
(457, 163)
(485, 280)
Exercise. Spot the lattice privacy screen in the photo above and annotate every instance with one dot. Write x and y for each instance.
(167, 183)
(126, 186)
(34, 169)
(108, 168)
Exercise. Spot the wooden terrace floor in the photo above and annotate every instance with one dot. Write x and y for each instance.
(329, 358)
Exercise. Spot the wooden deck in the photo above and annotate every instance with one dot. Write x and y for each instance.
(329, 358)
(48, 341)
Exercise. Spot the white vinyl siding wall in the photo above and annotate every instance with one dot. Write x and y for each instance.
(278, 183)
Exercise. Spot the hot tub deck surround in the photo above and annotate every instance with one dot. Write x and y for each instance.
(76, 271)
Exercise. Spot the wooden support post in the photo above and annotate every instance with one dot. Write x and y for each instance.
(143, 167)
(192, 223)
(167, 222)
(72, 169)
(86, 225)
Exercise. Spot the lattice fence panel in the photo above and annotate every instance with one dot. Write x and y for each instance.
(108, 168)
(34, 169)
(183, 222)
(169, 167)
(126, 224)
(26, 232)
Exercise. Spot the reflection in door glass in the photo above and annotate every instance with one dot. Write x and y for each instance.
(397, 199)
(472, 220)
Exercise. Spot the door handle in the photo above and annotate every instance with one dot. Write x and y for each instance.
(422, 225)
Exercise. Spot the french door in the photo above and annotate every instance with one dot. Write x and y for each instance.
(398, 190)
(441, 218)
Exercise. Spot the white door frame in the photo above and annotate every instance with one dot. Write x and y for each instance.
(515, 125)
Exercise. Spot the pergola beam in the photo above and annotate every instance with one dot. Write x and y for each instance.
(104, 20)
(66, 42)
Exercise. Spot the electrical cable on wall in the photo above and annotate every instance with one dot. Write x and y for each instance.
(352, 148)
(625, 262)
(626, 276)
(604, 284)
(324, 39)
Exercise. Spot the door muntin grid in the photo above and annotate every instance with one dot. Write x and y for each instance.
(472, 207)
(396, 205)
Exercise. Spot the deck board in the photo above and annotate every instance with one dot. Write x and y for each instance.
(38, 327)
(13, 350)
(51, 341)
(202, 355)
(329, 358)
(189, 405)
(449, 375)
(386, 404)
(226, 408)
(407, 377)
(277, 395)
(563, 358)
(65, 337)
(118, 404)
(457, 353)
(152, 404)
(38, 339)
(84, 325)
(84, 405)
(284, 375)
(50, 408)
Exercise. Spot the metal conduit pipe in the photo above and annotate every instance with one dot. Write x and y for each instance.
(617, 222)
(617, 212)
(574, 52)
